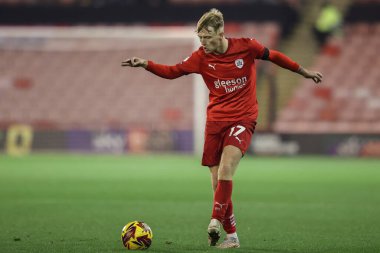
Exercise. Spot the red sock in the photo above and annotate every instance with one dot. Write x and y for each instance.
(229, 223)
(221, 199)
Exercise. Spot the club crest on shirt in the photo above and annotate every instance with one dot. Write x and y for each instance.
(239, 63)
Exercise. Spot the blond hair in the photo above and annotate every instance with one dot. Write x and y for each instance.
(213, 18)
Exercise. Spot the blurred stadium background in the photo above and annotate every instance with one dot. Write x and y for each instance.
(62, 87)
(63, 95)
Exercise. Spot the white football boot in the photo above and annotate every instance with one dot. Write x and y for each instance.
(213, 232)
(229, 243)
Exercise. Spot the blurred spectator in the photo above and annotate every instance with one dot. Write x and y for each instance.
(328, 22)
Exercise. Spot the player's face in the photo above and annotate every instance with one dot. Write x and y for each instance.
(210, 39)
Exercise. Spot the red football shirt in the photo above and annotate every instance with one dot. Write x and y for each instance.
(230, 78)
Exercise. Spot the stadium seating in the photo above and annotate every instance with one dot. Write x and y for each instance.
(89, 89)
(348, 100)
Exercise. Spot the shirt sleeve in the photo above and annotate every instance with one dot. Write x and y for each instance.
(190, 64)
(187, 66)
(261, 52)
(283, 61)
(256, 48)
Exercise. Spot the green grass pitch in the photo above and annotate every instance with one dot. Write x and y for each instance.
(79, 203)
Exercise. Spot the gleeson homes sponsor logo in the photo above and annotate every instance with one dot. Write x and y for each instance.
(231, 85)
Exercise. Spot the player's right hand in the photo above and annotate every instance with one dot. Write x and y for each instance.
(134, 62)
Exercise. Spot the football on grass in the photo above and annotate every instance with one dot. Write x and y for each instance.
(136, 235)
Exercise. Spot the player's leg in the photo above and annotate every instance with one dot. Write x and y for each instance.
(229, 162)
(235, 139)
(235, 144)
(229, 224)
(222, 197)
(211, 157)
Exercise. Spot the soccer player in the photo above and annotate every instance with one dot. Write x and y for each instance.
(227, 66)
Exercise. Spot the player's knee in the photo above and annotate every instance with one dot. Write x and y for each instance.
(225, 172)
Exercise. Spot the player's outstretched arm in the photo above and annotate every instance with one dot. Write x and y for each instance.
(135, 62)
(316, 76)
(284, 61)
(164, 71)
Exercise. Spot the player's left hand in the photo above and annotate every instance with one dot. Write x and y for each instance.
(316, 76)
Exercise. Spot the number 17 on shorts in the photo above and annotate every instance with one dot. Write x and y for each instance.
(240, 135)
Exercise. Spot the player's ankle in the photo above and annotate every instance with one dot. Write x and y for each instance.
(232, 235)
(216, 219)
